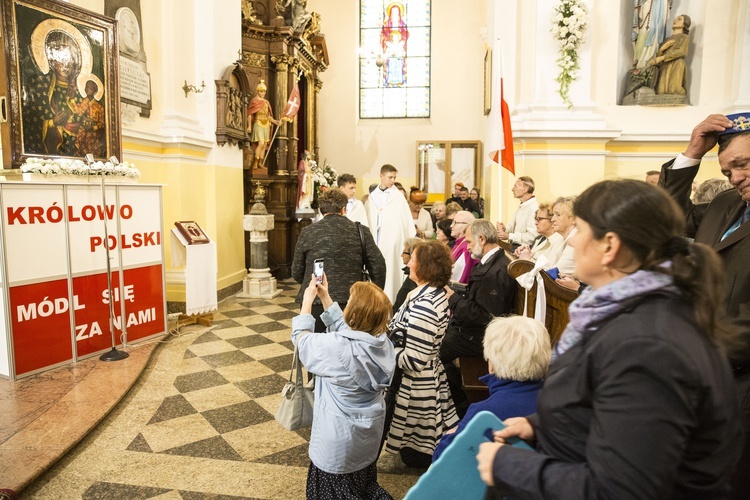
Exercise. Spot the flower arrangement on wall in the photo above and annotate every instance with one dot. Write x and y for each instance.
(68, 166)
(569, 29)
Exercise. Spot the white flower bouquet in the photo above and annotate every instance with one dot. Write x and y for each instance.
(569, 29)
(323, 178)
(70, 166)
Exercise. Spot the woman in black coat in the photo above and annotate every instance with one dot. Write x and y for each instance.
(639, 401)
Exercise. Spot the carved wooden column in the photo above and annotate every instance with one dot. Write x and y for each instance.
(310, 116)
(318, 85)
(282, 62)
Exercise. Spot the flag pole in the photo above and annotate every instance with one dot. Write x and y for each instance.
(268, 150)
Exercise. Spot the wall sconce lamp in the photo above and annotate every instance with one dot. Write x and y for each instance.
(192, 88)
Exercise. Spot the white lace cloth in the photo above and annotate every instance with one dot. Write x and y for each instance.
(527, 280)
(200, 273)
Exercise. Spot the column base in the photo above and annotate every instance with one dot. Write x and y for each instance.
(254, 287)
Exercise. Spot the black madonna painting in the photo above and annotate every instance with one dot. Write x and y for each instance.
(65, 72)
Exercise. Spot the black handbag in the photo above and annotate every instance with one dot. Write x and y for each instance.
(392, 391)
(365, 272)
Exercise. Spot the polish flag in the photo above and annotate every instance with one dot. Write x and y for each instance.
(504, 155)
(293, 104)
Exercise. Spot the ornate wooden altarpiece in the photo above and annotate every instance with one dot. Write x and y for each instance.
(281, 41)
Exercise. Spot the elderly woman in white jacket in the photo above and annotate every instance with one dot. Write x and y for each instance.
(354, 362)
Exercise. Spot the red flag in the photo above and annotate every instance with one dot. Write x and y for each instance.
(505, 156)
(292, 105)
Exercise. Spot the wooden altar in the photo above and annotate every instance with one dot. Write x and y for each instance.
(279, 45)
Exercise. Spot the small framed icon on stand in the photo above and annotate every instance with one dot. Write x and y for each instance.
(192, 232)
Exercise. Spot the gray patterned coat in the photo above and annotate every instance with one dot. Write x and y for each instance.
(335, 239)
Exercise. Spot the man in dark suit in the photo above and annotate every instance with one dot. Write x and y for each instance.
(336, 240)
(491, 292)
(722, 225)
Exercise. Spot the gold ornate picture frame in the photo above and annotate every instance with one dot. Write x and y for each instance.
(487, 81)
(60, 78)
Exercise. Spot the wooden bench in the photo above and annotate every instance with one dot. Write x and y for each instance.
(558, 300)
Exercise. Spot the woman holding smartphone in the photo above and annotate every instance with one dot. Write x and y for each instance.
(354, 362)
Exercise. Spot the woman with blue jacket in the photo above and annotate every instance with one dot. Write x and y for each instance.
(354, 362)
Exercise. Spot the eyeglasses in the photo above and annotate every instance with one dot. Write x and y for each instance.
(454, 223)
(542, 218)
(405, 253)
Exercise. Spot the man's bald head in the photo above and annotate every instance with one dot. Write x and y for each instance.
(460, 221)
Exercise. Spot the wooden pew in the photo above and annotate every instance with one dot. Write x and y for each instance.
(474, 367)
(558, 299)
(516, 269)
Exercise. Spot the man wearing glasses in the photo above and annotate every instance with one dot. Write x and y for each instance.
(491, 293)
(549, 243)
(463, 263)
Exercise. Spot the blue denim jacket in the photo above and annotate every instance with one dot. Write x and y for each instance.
(352, 368)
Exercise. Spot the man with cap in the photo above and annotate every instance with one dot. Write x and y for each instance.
(723, 226)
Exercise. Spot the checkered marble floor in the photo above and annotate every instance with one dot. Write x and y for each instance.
(199, 422)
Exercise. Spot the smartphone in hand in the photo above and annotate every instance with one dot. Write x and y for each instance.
(318, 270)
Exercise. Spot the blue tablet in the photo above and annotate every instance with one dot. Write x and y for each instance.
(459, 461)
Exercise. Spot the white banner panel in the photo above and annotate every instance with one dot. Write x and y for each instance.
(34, 226)
(140, 225)
(86, 217)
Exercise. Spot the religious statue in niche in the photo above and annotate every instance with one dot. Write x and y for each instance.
(300, 16)
(305, 184)
(232, 99)
(234, 108)
(260, 121)
(393, 39)
(661, 80)
(670, 59)
(650, 57)
(649, 31)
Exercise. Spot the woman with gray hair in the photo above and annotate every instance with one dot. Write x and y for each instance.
(708, 189)
(517, 350)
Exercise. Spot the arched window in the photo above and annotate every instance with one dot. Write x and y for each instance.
(394, 60)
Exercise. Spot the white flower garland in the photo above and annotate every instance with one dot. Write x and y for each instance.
(68, 166)
(569, 29)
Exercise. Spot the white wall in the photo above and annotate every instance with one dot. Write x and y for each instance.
(361, 147)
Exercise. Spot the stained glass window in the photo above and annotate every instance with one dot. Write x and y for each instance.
(394, 59)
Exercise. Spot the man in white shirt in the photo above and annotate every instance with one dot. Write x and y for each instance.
(391, 224)
(355, 209)
(521, 231)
